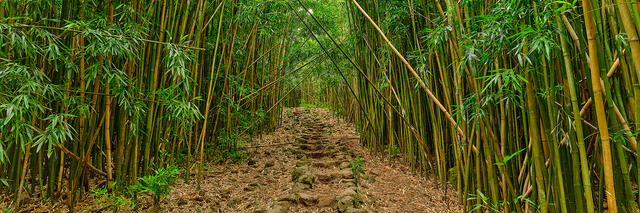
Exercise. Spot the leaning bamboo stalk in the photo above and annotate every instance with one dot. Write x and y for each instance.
(327, 53)
(413, 72)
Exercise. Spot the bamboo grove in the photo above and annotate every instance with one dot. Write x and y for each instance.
(523, 106)
(96, 93)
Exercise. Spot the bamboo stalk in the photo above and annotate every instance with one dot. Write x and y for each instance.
(600, 113)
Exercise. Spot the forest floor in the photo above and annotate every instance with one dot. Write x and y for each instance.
(305, 165)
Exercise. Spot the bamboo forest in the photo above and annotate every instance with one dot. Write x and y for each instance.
(354, 106)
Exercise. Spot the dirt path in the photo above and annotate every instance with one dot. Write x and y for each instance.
(305, 165)
(323, 179)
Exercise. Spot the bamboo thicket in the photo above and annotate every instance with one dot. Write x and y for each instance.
(110, 90)
(542, 97)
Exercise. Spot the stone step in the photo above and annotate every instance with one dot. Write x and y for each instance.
(310, 147)
(319, 154)
(326, 164)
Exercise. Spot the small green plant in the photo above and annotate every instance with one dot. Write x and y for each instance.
(112, 201)
(356, 168)
(393, 150)
(485, 204)
(157, 185)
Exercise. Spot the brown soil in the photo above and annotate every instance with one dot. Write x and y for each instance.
(302, 166)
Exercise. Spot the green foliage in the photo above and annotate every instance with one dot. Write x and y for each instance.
(229, 147)
(314, 104)
(57, 131)
(485, 205)
(158, 184)
(183, 112)
(501, 86)
(437, 35)
(398, 15)
(308, 106)
(61, 62)
(508, 157)
(509, 91)
(358, 171)
(5, 181)
(357, 168)
(112, 201)
(621, 136)
(392, 150)
(250, 122)
(176, 60)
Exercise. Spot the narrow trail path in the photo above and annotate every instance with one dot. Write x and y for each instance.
(323, 178)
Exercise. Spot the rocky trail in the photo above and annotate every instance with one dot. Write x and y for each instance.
(327, 170)
(323, 178)
(313, 162)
